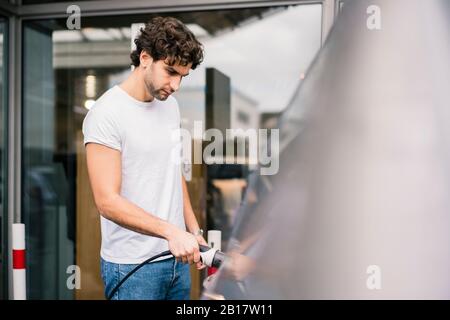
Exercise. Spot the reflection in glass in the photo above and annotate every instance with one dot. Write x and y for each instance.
(360, 206)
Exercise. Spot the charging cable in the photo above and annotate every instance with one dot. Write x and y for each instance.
(209, 256)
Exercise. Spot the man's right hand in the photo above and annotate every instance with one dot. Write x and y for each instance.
(184, 246)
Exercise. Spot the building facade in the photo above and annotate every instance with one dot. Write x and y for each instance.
(58, 57)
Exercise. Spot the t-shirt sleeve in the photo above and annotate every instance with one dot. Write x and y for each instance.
(100, 126)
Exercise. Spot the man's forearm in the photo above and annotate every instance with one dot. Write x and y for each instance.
(130, 216)
(189, 216)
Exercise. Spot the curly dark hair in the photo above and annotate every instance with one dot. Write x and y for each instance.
(167, 37)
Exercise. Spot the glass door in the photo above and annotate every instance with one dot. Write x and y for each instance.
(3, 154)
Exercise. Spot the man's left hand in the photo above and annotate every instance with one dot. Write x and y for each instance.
(199, 265)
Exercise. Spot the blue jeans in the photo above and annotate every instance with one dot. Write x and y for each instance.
(161, 280)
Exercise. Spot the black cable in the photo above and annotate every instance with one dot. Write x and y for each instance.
(217, 261)
(162, 254)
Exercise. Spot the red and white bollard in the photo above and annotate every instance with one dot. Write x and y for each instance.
(19, 275)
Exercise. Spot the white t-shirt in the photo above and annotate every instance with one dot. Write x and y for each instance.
(144, 134)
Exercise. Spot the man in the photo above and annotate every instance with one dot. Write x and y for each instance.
(138, 187)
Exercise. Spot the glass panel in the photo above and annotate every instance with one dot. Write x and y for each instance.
(3, 180)
(65, 71)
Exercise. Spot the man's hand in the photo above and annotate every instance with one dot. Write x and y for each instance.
(184, 246)
(200, 240)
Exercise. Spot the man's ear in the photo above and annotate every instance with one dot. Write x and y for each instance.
(145, 59)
